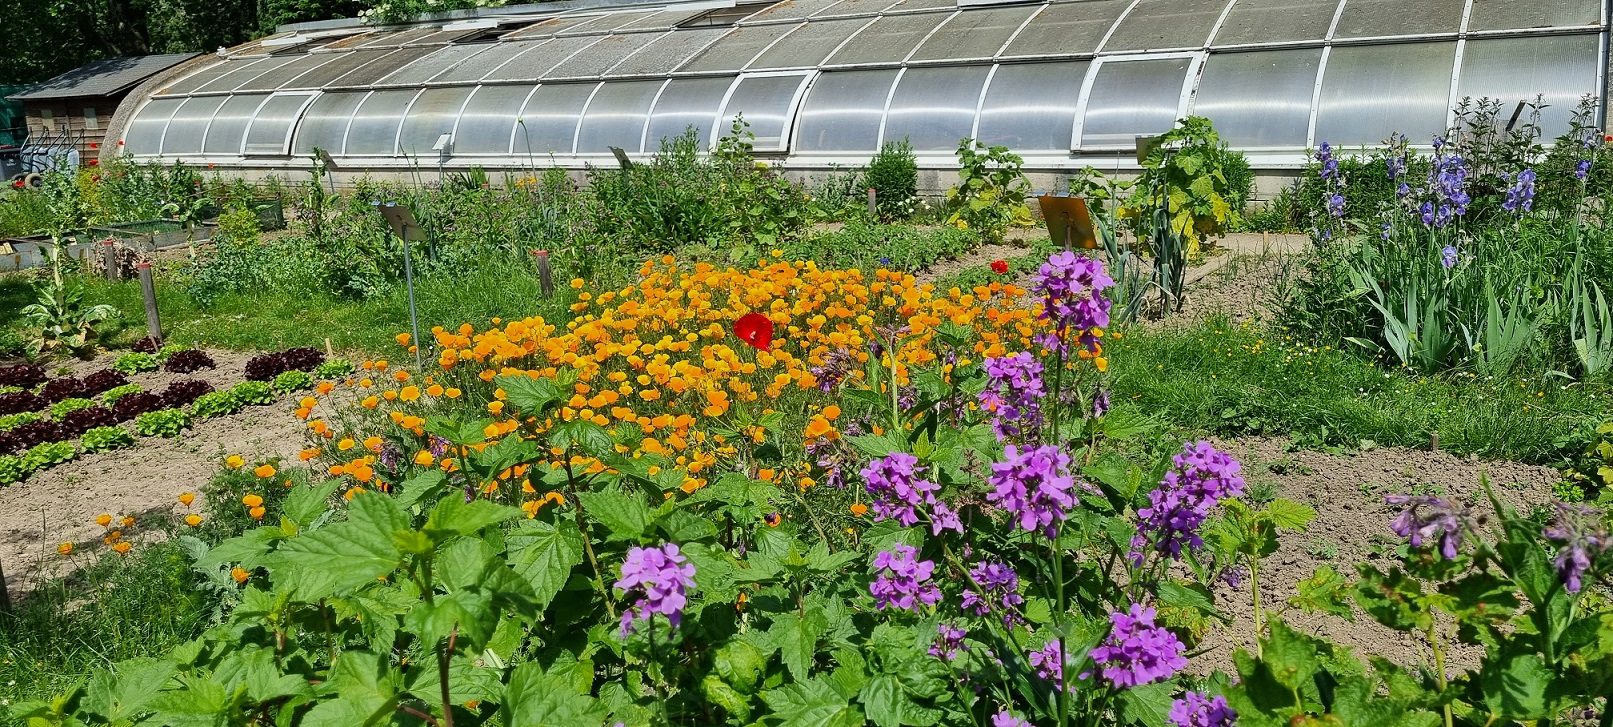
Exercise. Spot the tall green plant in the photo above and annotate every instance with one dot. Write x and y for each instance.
(65, 323)
(893, 175)
(990, 195)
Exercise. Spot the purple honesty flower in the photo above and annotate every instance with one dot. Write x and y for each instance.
(948, 642)
(1201, 710)
(1013, 394)
(1234, 576)
(993, 581)
(1583, 535)
(1006, 718)
(903, 581)
(830, 458)
(835, 367)
(1137, 652)
(1199, 478)
(898, 491)
(438, 446)
(1448, 257)
(1071, 288)
(1034, 485)
(1100, 403)
(1426, 519)
(1521, 195)
(659, 577)
(1049, 667)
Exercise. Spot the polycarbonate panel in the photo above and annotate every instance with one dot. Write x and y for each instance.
(973, 34)
(735, 50)
(393, 39)
(1376, 18)
(1130, 98)
(531, 65)
(488, 121)
(1561, 69)
(548, 124)
(1511, 14)
(350, 40)
(1270, 21)
(554, 25)
(144, 135)
(1369, 92)
(593, 61)
(371, 73)
(273, 79)
(1164, 24)
(240, 76)
(374, 131)
(229, 125)
(616, 22)
(935, 107)
(854, 7)
(494, 56)
(189, 125)
(324, 124)
(431, 116)
(1259, 99)
(616, 117)
(888, 40)
(765, 103)
(270, 130)
(1032, 105)
(584, 24)
(425, 68)
(842, 111)
(907, 6)
(667, 52)
(343, 64)
(685, 103)
(792, 10)
(664, 20)
(442, 36)
(808, 45)
(210, 74)
(1066, 28)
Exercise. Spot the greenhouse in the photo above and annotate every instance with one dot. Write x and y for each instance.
(824, 82)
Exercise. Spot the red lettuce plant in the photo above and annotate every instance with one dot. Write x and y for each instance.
(188, 361)
(103, 381)
(130, 406)
(65, 387)
(183, 392)
(24, 375)
(76, 423)
(17, 402)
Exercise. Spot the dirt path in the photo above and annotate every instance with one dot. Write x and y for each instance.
(60, 504)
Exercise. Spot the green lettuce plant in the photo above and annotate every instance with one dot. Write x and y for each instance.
(100, 439)
(162, 423)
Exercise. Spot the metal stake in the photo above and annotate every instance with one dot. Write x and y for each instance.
(403, 224)
(414, 316)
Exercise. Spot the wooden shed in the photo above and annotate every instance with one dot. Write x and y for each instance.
(74, 109)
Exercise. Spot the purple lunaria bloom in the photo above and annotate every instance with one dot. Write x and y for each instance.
(1200, 477)
(948, 642)
(659, 578)
(1202, 710)
(903, 580)
(1426, 519)
(835, 367)
(1033, 485)
(1448, 257)
(1100, 403)
(1137, 652)
(993, 582)
(1049, 667)
(1582, 533)
(897, 489)
(1013, 394)
(1071, 288)
(1006, 718)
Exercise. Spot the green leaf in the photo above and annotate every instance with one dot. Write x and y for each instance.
(120, 696)
(304, 504)
(729, 699)
(1516, 686)
(1290, 655)
(419, 487)
(536, 699)
(1149, 704)
(344, 556)
(587, 437)
(626, 516)
(528, 395)
(1194, 597)
(544, 555)
(1325, 591)
(453, 516)
(797, 638)
(812, 703)
(740, 664)
(887, 703)
(1289, 515)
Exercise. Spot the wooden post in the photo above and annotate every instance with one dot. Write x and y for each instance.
(5, 591)
(148, 288)
(109, 257)
(873, 203)
(545, 275)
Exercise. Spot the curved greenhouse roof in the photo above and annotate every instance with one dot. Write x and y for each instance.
(826, 81)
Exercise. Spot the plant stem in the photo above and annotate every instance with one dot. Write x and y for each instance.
(1254, 592)
(1439, 666)
(443, 657)
(1058, 610)
(588, 543)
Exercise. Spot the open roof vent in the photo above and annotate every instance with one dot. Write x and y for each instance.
(724, 17)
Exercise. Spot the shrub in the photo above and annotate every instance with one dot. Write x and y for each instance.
(146, 345)
(215, 404)
(183, 392)
(293, 381)
(12, 469)
(135, 363)
(78, 422)
(188, 361)
(61, 408)
(34, 433)
(24, 375)
(990, 196)
(253, 393)
(103, 381)
(162, 423)
(12, 421)
(893, 174)
(100, 439)
(48, 454)
(335, 368)
(20, 401)
(133, 405)
(65, 387)
(117, 392)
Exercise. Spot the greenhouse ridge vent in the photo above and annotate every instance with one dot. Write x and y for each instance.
(822, 83)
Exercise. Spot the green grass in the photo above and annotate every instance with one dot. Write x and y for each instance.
(1231, 379)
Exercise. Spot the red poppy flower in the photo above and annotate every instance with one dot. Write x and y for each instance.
(95, 145)
(999, 267)
(754, 329)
